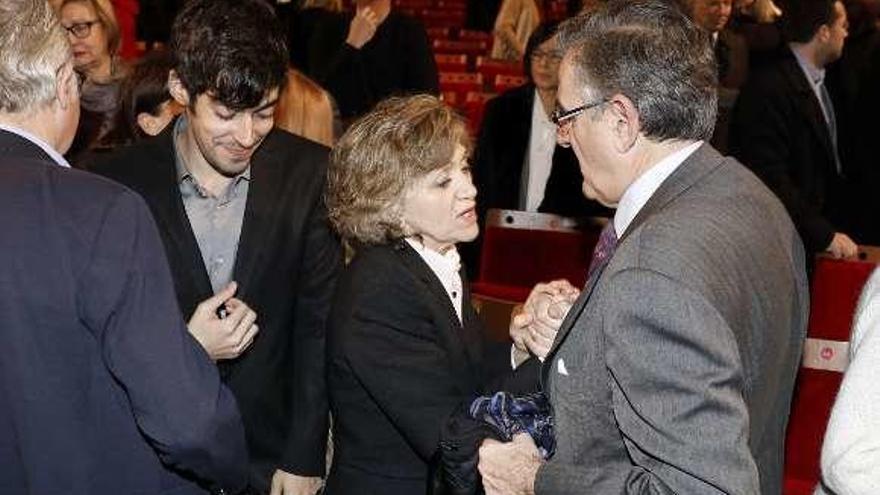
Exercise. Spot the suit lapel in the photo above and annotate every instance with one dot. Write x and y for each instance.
(452, 332)
(163, 190)
(807, 103)
(260, 211)
(703, 161)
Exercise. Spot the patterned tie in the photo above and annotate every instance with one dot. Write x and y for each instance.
(604, 250)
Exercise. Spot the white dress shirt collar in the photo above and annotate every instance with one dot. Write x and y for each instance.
(446, 267)
(640, 191)
(539, 156)
(53, 154)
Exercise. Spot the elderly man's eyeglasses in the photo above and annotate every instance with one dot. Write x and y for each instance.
(561, 117)
(81, 29)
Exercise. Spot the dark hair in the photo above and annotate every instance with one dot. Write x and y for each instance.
(232, 49)
(651, 52)
(145, 89)
(802, 18)
(542, 33)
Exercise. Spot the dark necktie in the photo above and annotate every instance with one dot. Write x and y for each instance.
(830, 121)
(604, 250)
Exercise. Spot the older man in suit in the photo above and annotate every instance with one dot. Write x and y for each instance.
(237, 200)
(103, 390)
(673, 371)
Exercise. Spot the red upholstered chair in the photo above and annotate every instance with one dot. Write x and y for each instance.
(451, 63)
(490, 67)
(466, 34)
(474, 105)
(446, 17)
(522, 248)
(503, 82)
(461, 83)
(438, 33)
(450, 98)
(473, 48)
(835, 291)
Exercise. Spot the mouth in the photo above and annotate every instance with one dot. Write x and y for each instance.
(468, 215)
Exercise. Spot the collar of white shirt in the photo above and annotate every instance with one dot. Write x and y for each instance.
(446, 267)
(641, 190)
(53, 154)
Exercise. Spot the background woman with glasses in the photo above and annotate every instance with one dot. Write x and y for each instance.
(517, 163)
(94, 36)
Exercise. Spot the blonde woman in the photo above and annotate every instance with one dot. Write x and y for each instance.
(305, 109)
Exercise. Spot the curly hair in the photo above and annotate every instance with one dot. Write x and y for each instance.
(382, 154)
(233, 49)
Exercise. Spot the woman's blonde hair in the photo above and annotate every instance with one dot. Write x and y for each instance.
(381, 155)
(107, 16)
(304, 109)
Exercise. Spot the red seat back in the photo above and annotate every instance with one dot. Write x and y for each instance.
(835, 291)
(521, 249)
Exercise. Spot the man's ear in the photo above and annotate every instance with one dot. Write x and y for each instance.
(177, 90)
(823, 34)
(67, 87)
(625, 122)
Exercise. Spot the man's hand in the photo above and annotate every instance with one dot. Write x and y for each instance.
(509, 468)
(227, 337)
(362, 28)
(842, 246)
(284, 483)
(534, 328)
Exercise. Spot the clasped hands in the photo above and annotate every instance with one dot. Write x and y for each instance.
(533, 329)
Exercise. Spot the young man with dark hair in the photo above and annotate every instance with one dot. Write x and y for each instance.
(240, 202)
(784, 127)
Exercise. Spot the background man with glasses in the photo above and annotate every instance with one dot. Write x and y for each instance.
(673, 371)
(103, 390)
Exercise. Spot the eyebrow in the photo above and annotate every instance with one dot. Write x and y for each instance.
(268, 104)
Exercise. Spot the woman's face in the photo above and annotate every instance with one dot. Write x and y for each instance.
(86, 34)
(545, 65)
(440, 206)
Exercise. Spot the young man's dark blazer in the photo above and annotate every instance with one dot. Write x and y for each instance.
(399, 362)
(500, 154)
(778, 130)
(286, 267)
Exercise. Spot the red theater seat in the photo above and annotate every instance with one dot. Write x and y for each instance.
(451, 63)
(472, 48)
(503, 82)
(474, 105)
(835, 291)
(490, 67)
(460, 83)
(521, 249)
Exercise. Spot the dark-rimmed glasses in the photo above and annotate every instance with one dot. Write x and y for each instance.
(81, 29)
(561, 117)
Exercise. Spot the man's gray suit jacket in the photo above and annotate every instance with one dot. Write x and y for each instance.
(673, 372)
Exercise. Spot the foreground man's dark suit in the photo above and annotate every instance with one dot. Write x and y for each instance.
(286, 266)
(674, 372)
(103, 389)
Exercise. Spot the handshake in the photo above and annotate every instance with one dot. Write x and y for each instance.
(533, 326)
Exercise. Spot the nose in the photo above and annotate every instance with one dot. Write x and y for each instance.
(245, 135)
(469, 190)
